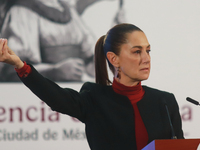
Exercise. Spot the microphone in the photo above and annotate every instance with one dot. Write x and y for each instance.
(170, 122)
(192, 101)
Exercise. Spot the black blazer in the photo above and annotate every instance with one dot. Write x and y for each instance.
(108, 116)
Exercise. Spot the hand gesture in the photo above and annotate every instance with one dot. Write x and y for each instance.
(8, 56)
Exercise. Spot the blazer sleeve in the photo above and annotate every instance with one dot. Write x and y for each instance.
(63, 100)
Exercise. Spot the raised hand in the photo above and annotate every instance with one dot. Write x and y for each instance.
(8, 56)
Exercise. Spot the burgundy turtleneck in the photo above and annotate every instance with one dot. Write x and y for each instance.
(135, 94)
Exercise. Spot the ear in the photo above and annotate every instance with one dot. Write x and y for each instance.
(113, 59)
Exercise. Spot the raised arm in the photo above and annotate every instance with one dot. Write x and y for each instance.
(66, 101)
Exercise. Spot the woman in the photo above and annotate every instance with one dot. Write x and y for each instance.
(124, 115)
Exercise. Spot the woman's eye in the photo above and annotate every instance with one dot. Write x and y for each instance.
(138, 52)
(148, 51)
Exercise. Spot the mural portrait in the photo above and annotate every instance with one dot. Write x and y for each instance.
(52, 36)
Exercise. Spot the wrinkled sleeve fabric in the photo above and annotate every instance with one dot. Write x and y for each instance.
(63, 100)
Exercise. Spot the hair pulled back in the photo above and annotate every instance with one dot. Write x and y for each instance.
(111, 42)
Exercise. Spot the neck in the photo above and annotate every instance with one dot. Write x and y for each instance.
(127, 83)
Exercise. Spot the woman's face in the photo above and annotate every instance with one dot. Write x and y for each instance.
(134, 59)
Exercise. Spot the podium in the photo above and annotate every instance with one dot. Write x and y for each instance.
(173, 144)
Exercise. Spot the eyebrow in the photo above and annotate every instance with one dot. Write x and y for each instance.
(140, 46)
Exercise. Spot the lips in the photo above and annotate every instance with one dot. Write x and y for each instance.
(144, 69)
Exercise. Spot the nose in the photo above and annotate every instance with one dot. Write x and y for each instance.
(145, 58)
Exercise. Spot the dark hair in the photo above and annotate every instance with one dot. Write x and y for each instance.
(111, 42)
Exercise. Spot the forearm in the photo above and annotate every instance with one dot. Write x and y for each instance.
(90, 69)
(8, 73)
(66, 101)
(47, 70)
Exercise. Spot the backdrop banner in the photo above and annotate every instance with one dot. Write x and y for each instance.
(45, 39)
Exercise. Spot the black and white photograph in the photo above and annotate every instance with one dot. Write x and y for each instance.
(53, 36)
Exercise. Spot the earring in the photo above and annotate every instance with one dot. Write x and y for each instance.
(118, 73)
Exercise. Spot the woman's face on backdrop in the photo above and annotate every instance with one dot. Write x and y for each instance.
(134, 59)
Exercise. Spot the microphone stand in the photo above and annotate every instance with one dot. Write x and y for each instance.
(170, 122)
(172, 129)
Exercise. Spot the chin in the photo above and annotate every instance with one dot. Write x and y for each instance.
(144, 78)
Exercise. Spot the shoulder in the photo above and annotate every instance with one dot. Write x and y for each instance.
(160, 95)
(18, 14)
(18, 9)
(154, 91)
(89, 86)
(94, 89)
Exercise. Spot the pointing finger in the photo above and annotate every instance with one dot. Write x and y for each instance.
(1, 44)
(5, 47)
